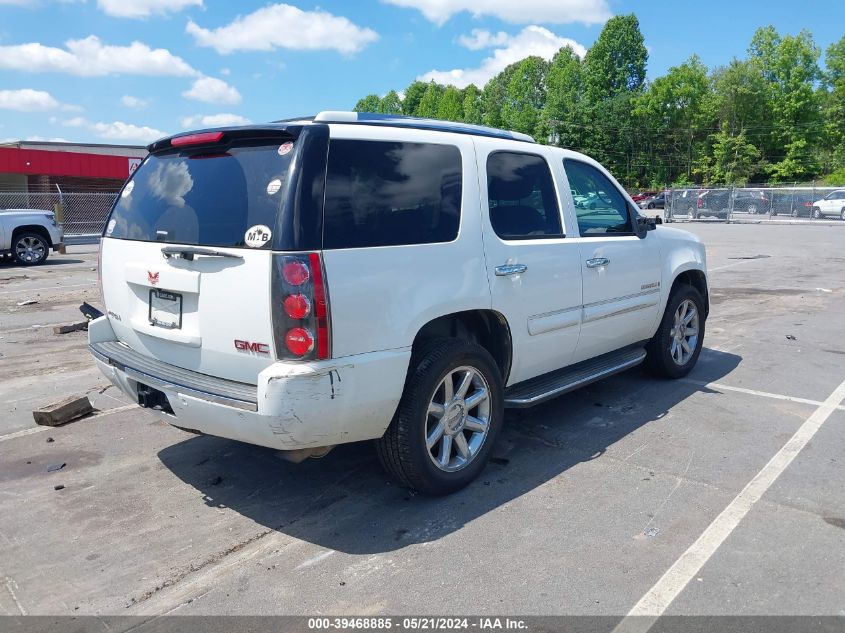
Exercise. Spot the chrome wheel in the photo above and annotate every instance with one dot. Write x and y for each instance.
(458, 419)
(30, 249)
(684, 333)
(752, 208)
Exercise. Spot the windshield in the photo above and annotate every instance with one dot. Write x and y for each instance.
(207, 199)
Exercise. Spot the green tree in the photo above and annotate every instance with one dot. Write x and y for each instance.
(472, 104)
(525, 94)
(834, 100)
(430, 102)
(562, 117)
(390, 103)
(450, 107)
(413, 95)
(733, 159)
(616, 63)
(370, 103)
(790, 67)
(676, 114)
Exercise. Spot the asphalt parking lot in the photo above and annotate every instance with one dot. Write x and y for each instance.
(591, 499)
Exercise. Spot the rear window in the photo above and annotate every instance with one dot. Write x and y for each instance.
(207, 199)
(385, 194)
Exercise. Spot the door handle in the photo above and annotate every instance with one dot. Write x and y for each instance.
(510, 269)
(597, 262)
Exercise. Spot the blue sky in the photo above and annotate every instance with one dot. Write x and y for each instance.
(126, 71)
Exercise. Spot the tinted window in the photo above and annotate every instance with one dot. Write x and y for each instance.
(384, 194)
(204, 199)
(522, 199)
(599, 205)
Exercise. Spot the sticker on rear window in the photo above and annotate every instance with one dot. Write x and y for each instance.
(110, 227)
(257, 236)
(273, 186)
(284, 148)
(127, 190)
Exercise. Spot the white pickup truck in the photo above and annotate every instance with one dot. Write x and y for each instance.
(352, 277)
(28, 235)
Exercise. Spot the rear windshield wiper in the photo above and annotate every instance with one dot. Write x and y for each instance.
(188, 252)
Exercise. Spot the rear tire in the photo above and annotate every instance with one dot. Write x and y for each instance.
(673, 351)
(842, 214)
(411, 449)
(817, 213)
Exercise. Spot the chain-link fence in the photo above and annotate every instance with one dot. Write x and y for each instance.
(81, 214)
(750, 204)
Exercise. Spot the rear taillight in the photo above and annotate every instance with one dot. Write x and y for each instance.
(202, 138)
(700, 203)
(301, 323)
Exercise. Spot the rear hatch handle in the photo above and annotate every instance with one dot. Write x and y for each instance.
(188, 252)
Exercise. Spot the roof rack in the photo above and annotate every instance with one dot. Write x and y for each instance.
(398, 120)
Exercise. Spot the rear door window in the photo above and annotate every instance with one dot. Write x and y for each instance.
(207, 199)
(521, 197)
(382, 193)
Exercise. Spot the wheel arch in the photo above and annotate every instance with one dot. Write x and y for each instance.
(32, 228)
(697, 279)
(486, 327)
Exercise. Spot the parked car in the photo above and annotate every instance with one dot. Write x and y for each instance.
(297, 293)
(714, 203)
(751, 201)
(28, 235)
(832, 205)
(656, 201)
(643, 195)
(796, 203)
(683, 202)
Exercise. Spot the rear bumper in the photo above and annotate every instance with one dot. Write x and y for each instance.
(292, 406)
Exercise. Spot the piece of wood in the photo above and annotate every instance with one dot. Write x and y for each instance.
(63, 411)
(70, 327)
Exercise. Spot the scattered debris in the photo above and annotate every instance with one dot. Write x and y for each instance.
(58, 487)
(215, 481)
(652, 532)
(50, 440)
(89, 311)
(28, 302)
(824, 290)
(71, 327)
(751, 257)
(501, 461)
(791, 337)
(54, 467)
(63, 411)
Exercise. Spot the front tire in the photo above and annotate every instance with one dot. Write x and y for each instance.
(30, 249)
(674, 349)
(447, 420)
(817, 213)
(842, 214)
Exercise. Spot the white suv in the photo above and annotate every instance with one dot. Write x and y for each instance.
(350, 277)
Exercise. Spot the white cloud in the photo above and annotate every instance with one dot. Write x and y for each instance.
(50, 139)
(212, 90)
(144, 8)
(532, 40)
(89, 57)
(136, 103)
(27, 100)
(214, 120)
(521, 12)
(284, 26)
(117, 130)
(481, 38)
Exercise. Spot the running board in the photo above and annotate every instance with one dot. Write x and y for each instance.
(556, 383)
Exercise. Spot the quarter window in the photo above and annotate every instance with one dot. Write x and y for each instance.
(600, 207)
(521, 197)
(385, 194)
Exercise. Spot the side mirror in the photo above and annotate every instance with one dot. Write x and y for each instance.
(644, 225)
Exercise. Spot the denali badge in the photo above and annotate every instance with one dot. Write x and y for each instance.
(256, 348)
(153, 277)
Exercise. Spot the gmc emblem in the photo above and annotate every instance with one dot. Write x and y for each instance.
(153, 277)
(255, 348)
